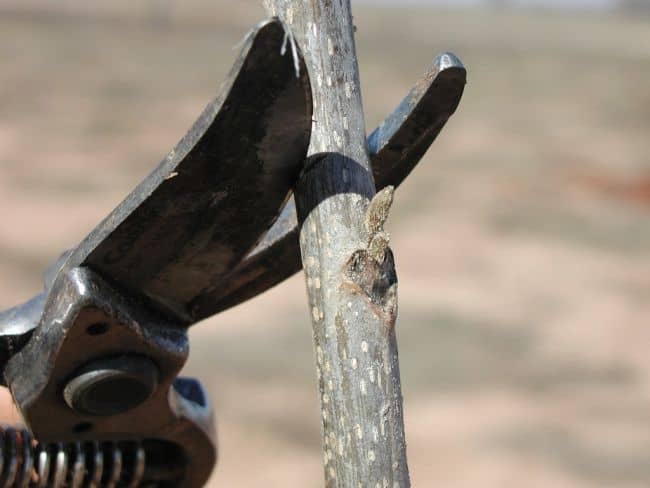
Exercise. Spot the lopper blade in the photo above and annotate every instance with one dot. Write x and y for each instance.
(395, 148)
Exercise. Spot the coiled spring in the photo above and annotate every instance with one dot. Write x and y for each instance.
(26, 463)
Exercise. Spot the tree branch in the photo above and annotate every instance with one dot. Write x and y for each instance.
(349, 268)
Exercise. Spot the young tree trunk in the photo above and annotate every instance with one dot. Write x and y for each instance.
(349, 268)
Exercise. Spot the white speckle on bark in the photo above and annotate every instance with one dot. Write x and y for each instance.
(338, 139)
(364, 346)
(349, 89)
(362, 387)
(315, 313)
(371, 455)
(354, 363)
(359, 431)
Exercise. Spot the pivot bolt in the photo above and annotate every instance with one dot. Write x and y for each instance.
(111, 386)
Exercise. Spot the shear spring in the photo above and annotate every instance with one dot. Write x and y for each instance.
(27, 463)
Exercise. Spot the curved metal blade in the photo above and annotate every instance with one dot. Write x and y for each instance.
(207, 204)
(395, 147)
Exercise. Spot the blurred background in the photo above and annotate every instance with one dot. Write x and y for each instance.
(522, 240)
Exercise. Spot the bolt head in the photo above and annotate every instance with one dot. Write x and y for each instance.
(111, 386)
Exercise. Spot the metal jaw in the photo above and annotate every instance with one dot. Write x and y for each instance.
(90, 330)
(395, 148)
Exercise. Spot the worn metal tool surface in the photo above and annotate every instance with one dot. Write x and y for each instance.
(100, 349)
(94, 360)
(102, 367)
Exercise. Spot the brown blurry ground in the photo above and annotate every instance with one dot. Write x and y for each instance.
(522, 240)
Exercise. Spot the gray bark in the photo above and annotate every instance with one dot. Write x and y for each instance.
(349, 268)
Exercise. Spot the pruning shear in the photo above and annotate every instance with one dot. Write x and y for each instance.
(92, 362)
